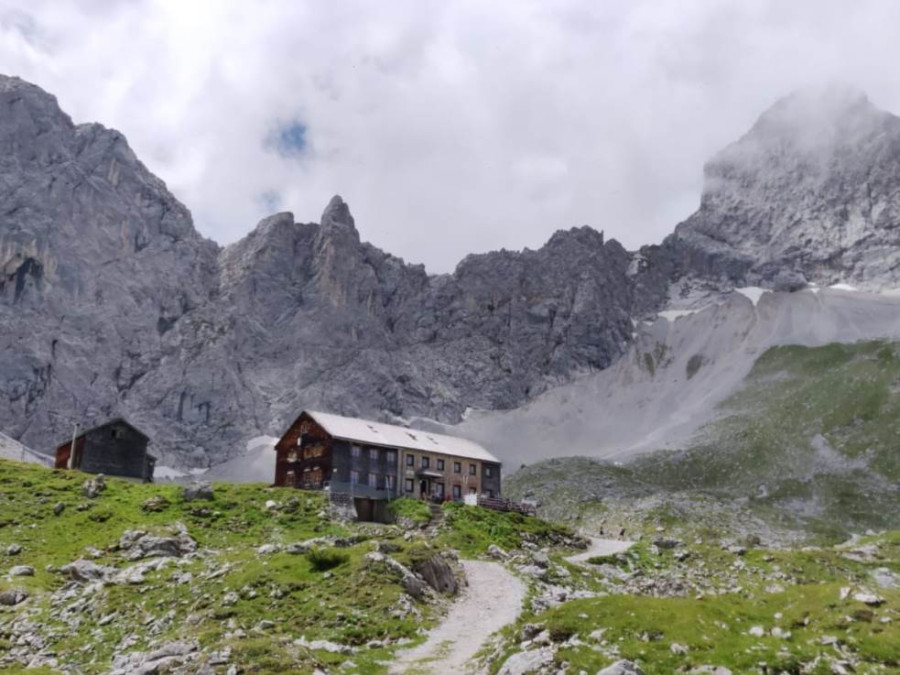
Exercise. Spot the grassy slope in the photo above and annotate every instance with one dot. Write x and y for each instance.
(715, 627)
(764, 449)
(351, 605)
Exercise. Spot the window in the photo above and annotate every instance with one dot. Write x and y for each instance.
(373, 480)
(409, 485)
(489, 493)
(488, 472)
(426, 462)
(355, 450)
(410, 460)
(457, 467)
(472, 470)
(373, 454)
(354, 477)
(473, 491)
(292, 456)
(390, 457)
(289, 479)
(457, 492)
(440, 465)
(390, 483)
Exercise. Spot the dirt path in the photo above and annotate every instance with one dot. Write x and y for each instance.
(601, 547)
(492, 600)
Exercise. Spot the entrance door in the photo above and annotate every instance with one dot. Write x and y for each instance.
(439, 491)
(423, 488)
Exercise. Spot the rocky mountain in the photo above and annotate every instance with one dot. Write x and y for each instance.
(809, 194)
(111, 302)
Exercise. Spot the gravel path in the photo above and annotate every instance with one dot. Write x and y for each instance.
(492, 600)
(601, 547)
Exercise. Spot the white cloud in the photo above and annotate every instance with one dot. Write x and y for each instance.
(450, 127)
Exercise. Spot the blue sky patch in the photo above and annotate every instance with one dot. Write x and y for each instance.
(288, 140)
(270, 200)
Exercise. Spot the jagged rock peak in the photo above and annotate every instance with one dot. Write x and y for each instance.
(337, 214)
(815, 120)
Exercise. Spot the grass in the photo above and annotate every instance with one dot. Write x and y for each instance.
(715, 627)
(809, 444)
(231, 585)
(415, 510)
(472, 529)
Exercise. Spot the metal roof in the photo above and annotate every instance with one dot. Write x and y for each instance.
(393, 436)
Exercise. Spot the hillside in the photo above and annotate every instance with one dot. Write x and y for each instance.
(252, 579)
(807, 443)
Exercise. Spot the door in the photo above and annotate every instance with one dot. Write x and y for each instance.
(423, 488)
(439, 491)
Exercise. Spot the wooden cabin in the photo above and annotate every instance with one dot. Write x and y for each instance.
(374, 461)
(115, 448)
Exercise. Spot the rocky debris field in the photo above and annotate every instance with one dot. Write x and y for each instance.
(671, 605)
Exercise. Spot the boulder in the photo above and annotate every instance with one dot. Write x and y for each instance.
(155, 504)
(59, 508)
(198, 490)
(94, 486)
(87, 571)
(497, 553)
(13, 549)
(437, 573)
(21, 571)
(525, 663)
(139, 544)
(13, 596)
(622, 668)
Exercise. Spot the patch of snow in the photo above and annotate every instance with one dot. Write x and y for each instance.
(843, 287)
(753, 293)
(198, 471)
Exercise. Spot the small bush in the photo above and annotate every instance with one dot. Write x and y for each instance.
(323, 559)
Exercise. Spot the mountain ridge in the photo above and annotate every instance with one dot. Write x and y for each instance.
(206, 346)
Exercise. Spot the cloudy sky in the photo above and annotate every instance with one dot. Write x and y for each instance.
(450, 127)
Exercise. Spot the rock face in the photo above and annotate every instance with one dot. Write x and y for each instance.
(112, 304)
(810, 193)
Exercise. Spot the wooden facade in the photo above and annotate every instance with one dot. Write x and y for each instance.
(115, 448)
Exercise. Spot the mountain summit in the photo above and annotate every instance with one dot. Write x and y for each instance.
(810, 193)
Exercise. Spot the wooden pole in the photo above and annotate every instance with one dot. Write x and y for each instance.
(72, 449)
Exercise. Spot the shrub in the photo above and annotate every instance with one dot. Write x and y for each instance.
(323, 559)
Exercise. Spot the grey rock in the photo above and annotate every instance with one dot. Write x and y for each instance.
(496, 552)
(13, 549)
(198, 490)
(87, 571)
(525, 663)
(21, 571)
(622, 668)
(13, 596)
(437, 573)
(94, 486)
(59, 508)
(138, 544)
